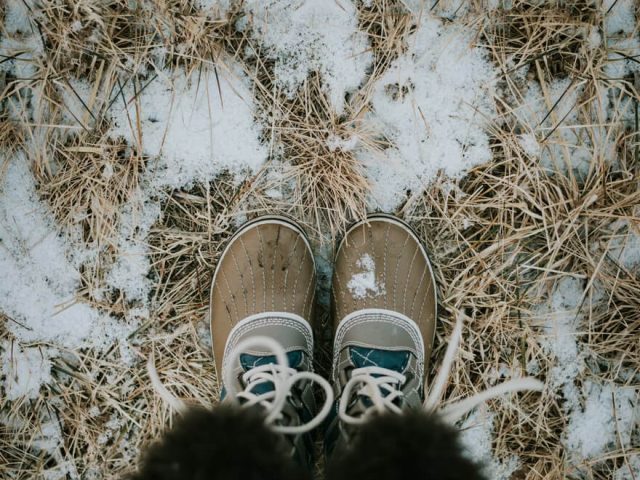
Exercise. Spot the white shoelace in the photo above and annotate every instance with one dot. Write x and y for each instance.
(384, 388)
(380, 385)
(283, 379)
(280, 374)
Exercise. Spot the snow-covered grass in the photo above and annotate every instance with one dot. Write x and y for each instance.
(135, 137)
(434, 104)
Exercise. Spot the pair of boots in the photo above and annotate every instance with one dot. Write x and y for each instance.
(384, 315)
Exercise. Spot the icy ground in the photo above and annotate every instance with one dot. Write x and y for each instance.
(194, 131)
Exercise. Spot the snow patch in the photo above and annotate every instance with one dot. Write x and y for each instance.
(24, 370)
(219, 7)
(476, 435)
(313, 36)
(335, 142)
(364, 284)
(50, 436)
(620, 16)
(111, 428)
(431, 104)
(594, 429)
(560, 99)
(195, 127)
(16, 19)
(625, 249)
(129, 274)
(590, 407)
(561, 320)
(594, 39)
(630, 470)
(529, 144)
(622, 38)
(34, 258)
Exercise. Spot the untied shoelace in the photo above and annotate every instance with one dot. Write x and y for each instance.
(382, 387)
(279, 374)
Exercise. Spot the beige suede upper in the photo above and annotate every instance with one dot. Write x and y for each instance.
(266, 267)
(380, 264)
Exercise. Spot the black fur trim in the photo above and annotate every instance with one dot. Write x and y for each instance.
(226, 443)
(414, 445)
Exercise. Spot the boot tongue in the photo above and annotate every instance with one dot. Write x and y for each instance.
(294, 412)
(374, 357)
(248, 361)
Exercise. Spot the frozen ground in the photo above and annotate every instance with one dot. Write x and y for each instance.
(70, 316)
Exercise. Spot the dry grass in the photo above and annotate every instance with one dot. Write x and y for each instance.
(502, 236)
(387, 23)
(511, 229)
(185, 245)
(554, 33)
(82, 37)
(329, 188)
(526, 229)
(93, 179)
(104, 405)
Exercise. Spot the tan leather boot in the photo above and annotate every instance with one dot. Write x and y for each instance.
(384, 311)
(262, 298)
(267, 266)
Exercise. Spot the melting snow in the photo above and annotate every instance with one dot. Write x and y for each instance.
(35, 258)
(476, 438)
(432, 103)
(364, 284)
(625, 248)
(313, 36)
(595, 428)
(196, 127)
(589, 409)
(25, 370)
